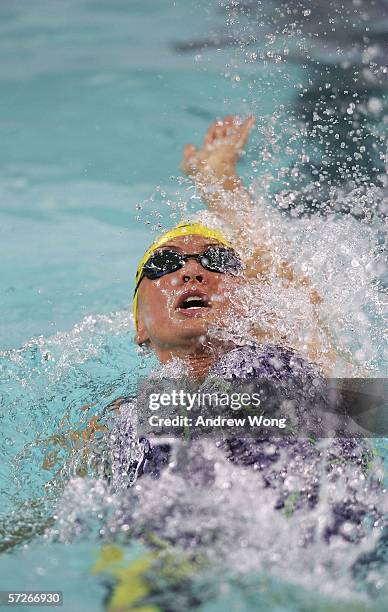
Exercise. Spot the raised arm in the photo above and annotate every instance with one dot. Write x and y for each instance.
(214, 170)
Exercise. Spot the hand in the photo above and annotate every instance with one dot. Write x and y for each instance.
(223, 144)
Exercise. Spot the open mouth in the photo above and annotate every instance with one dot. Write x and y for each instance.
(192, 302)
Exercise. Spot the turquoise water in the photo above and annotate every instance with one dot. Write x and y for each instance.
(97, 100)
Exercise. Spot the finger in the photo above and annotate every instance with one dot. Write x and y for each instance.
(245, 130)
(188, 151)
(248, 125)
(227, 129)
(188, 158)
(229, 122)
(232, 127)
(220, 130)
(210, 134)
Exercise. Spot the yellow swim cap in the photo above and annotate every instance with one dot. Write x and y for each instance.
(182, 229)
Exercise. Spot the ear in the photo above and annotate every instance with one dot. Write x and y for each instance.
(142, 336)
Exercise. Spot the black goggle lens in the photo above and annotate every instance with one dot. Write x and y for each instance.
(218, 259)
(161, 263)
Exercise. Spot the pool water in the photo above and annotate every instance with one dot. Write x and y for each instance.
(97, 100)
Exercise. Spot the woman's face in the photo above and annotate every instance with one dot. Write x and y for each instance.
(166, 320)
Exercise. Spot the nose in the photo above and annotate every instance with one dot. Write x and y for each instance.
(192, 270)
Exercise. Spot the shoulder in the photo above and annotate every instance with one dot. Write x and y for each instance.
(116, 411)
(115, 404)
(264, 360)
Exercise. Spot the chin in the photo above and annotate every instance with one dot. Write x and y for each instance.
(193, 328)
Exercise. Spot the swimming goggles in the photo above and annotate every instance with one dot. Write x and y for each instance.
(214, 258)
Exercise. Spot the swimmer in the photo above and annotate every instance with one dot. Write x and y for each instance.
(187, 297)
